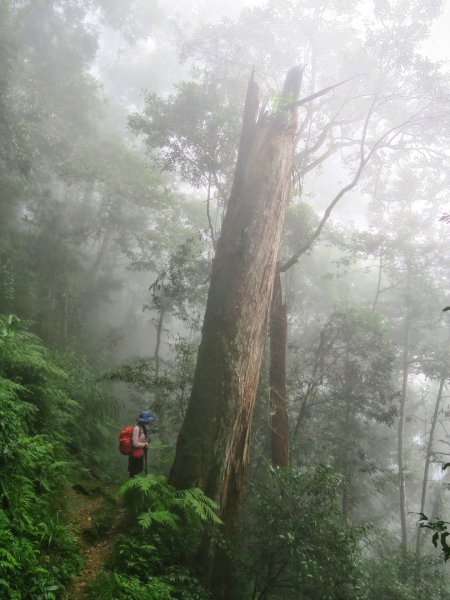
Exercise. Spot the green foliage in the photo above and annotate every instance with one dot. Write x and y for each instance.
(158, 557)
(341, 377)
(93, 427)
(38, 554)
(74, 202)
(195, 131)
(280, 104)
(180, 287)
(164, 504)
(440, 534)
(101, 520)
(64, 398)
(126, 587)
(29, 372)
(392, 575)
(294, 543)
(170, 388)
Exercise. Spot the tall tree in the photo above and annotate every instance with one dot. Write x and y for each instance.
(213, 444)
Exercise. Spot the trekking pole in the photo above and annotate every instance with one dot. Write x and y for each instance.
(145, 460)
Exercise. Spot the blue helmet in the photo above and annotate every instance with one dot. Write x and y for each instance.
(145, 417)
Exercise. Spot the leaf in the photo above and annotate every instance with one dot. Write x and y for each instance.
(162, 517)
(423, 517)
(435, 538)
(444, 544)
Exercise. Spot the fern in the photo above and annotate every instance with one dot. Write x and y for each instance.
(7, 560)
(32, 467)
(124, 587)
(160, 517)
(152, 493)
(188, 587)
(146, 486)
(158, 559)
(194, 501)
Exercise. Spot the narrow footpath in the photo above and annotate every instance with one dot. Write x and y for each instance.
(96, 518)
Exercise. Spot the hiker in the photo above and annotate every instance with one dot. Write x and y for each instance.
(140, 443)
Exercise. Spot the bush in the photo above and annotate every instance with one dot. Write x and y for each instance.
(294, 543)
(156, 559)
(37, 553)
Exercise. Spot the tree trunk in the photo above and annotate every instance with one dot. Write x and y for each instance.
(380, 273)
(105, 246)
(279, 426)
(428, 459)
(159, 329)
(401, 435)
(212, 447)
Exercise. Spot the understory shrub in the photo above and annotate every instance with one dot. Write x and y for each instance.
(156, 558)
(37, 552)
(293, 542)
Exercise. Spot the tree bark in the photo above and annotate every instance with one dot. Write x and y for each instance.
(428, 459)
(401, 436)
(279, 426)
(212, 447)
(159, 328)
(103, 251)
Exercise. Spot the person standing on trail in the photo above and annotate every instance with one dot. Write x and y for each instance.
(140, 443)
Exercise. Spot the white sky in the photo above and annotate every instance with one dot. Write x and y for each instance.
(438, 46)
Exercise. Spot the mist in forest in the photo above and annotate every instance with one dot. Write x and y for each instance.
(237, 217)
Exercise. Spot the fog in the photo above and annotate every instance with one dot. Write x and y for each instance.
(124, 152)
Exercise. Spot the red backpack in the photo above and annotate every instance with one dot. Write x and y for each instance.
(126, 440)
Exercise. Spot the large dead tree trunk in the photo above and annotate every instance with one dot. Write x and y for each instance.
(279, 422)
(212, 447)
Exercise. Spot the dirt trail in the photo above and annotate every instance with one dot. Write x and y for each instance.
(96, 518)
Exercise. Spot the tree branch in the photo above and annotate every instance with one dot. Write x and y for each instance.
(362, 163)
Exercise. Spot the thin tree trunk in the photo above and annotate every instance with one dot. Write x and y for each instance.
(380, 273)
(159, 329)
(312, 386)
(346, 456)
(212, 447)
(103, 251)
(428, 460)
(401, 435)
(208, 211)
(65, 329)
(279, 429)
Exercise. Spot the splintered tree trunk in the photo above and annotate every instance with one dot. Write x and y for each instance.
(212, 447)
(279, 425)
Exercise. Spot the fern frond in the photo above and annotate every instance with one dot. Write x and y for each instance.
(144, 485)
(160, 517)
(194, 500)
(7, 560)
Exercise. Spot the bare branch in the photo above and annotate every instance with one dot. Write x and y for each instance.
(322, 92)
(331, 150)
(342, 192)
(396, 129)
